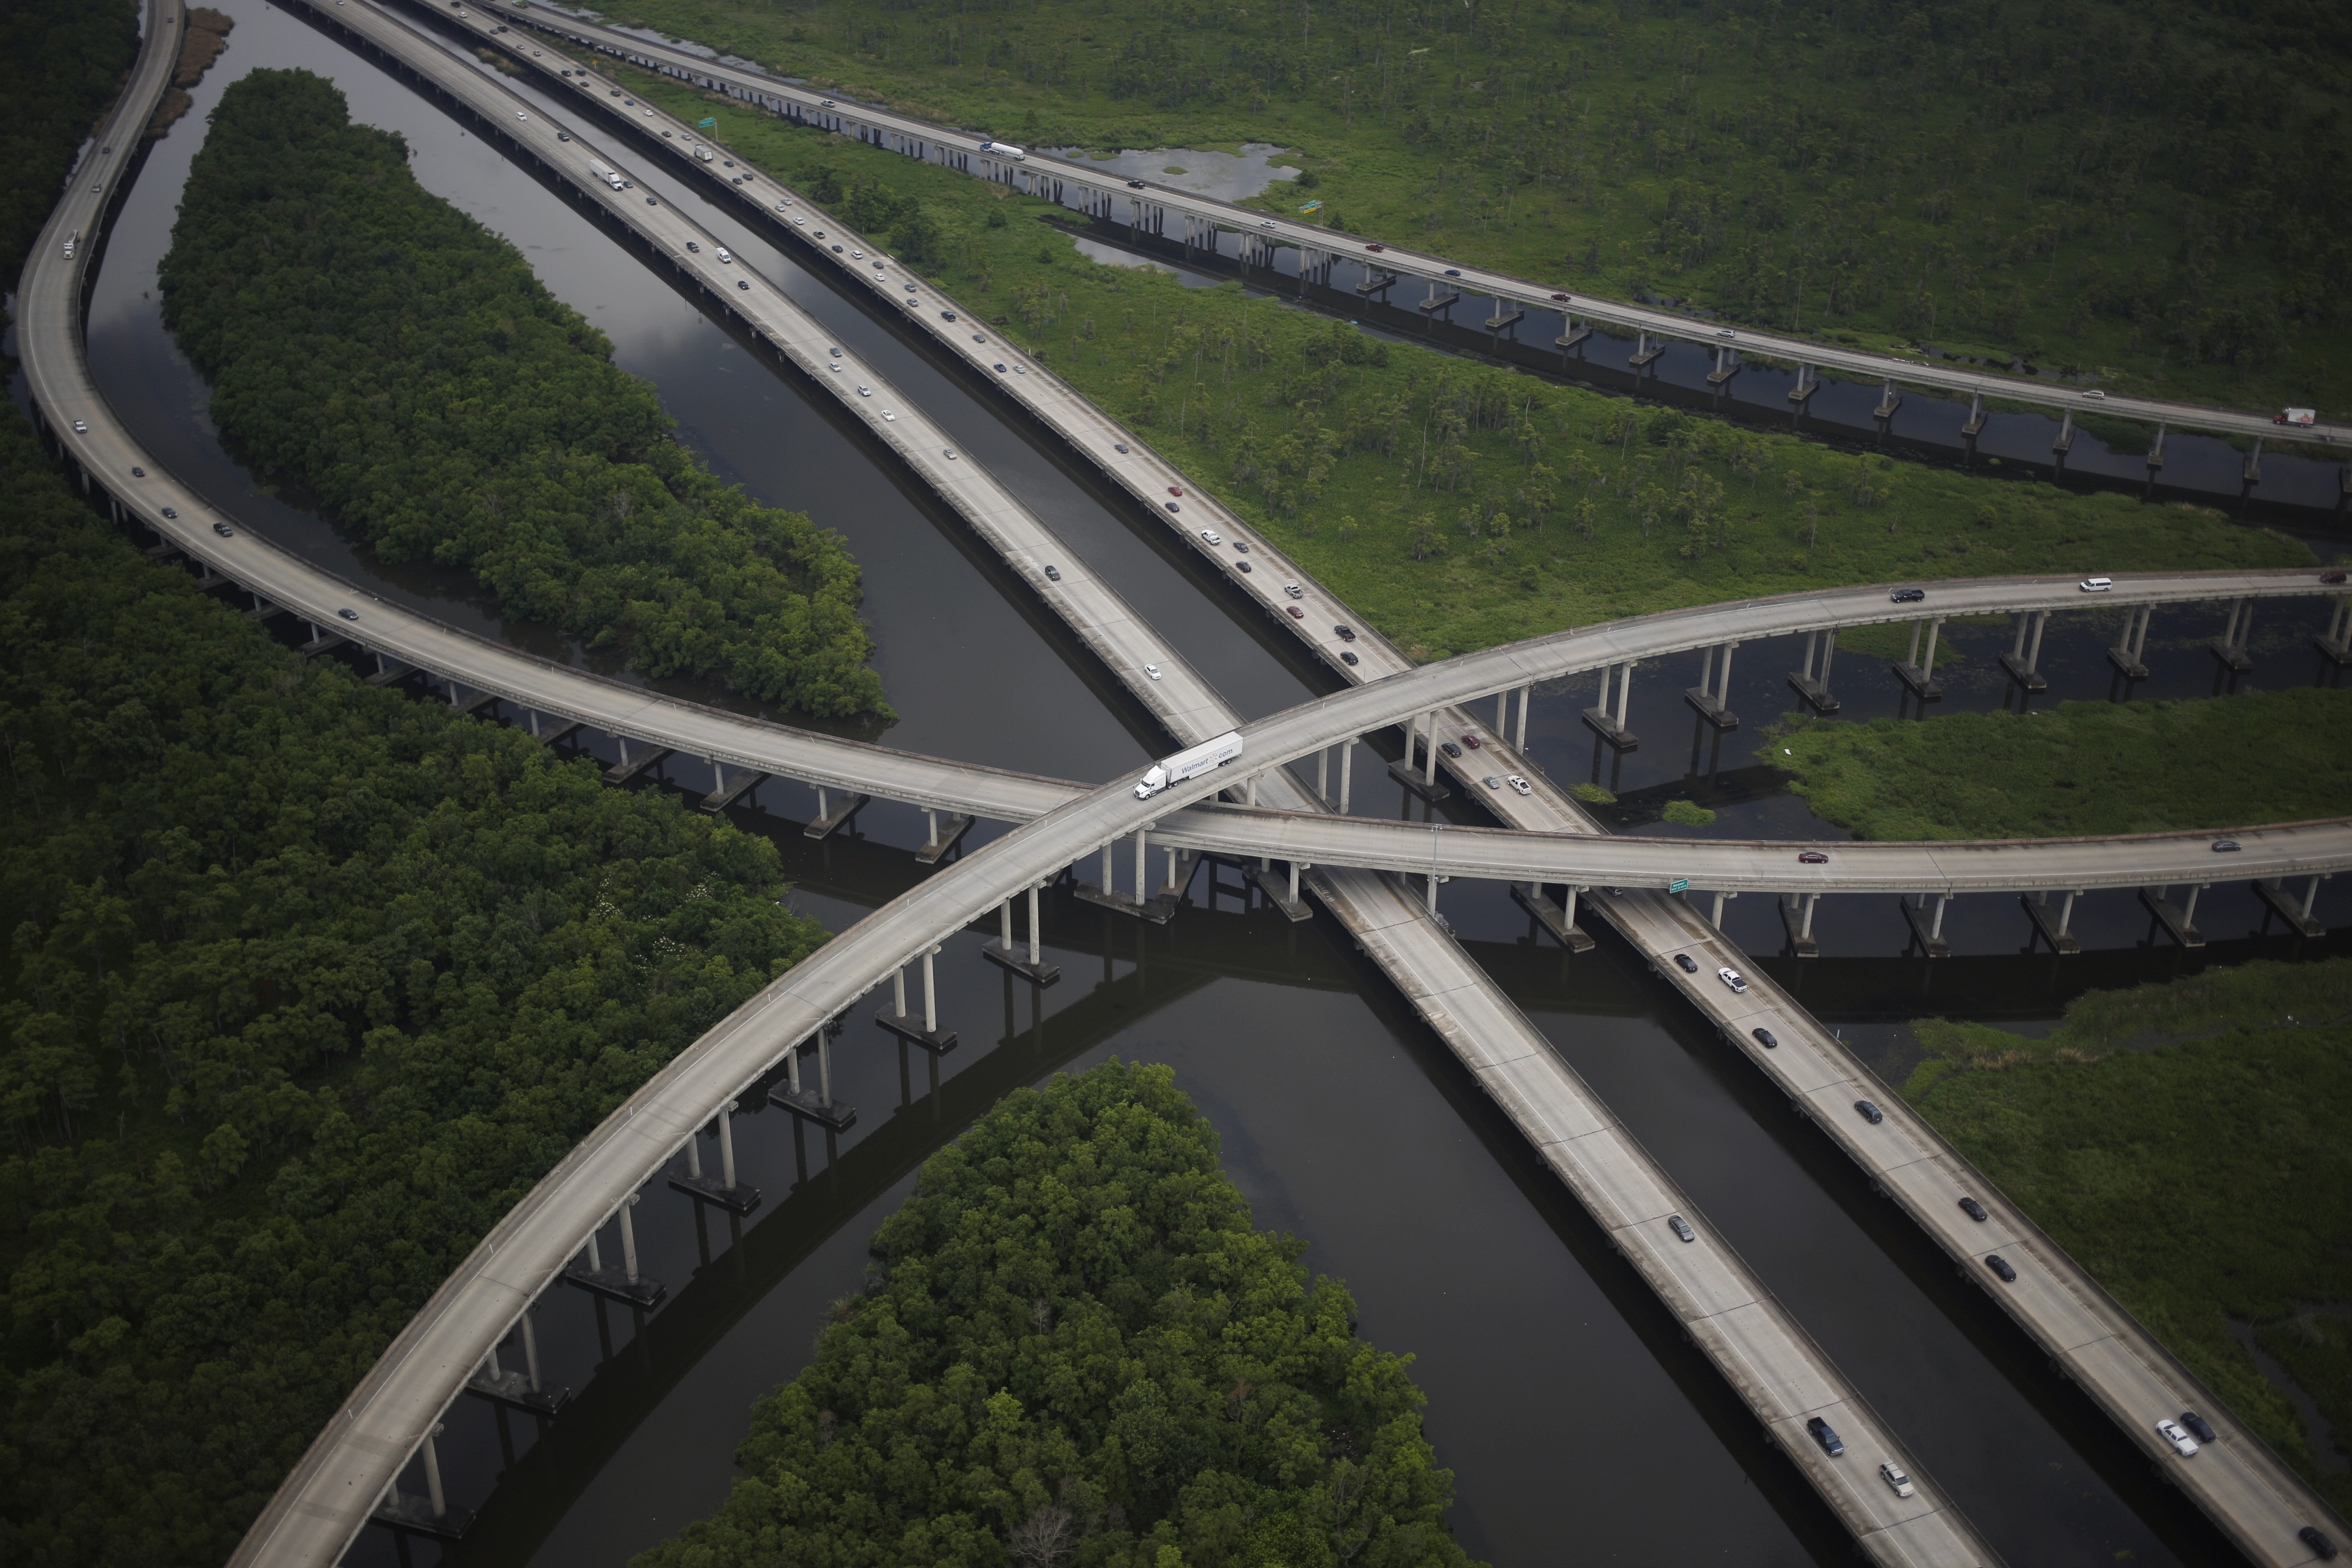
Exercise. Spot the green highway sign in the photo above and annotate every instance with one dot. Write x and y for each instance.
(1678, 884)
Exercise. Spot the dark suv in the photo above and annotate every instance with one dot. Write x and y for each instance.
(1826, 1435)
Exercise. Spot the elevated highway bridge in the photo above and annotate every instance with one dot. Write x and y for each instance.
(1766, 1355)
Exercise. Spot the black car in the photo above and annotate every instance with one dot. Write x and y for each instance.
(225, 530)
(1346, 657)
(2226, 846)
(1974, 1210)
(1869, 1113)
(1135, 184)
(1347, 634)
(653, 200)
(138, 473)
(2317, 1538)
(1764, 1038)
(348, 613)
(1826, 1435)
(1908, 595)
(1448, 747)
(1118, 446)
(1171, 506)
(2000, 1265)
(947, 314)
(564, 136)
(1052, 574)
(170, 512)
(2199, 1427)
(694, 247)
(1687, 964)
(1242, 566)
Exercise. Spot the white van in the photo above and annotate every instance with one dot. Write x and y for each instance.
(2095, 584)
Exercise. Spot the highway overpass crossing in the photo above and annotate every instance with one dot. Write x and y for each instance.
(1163, 211)
(331, 1494)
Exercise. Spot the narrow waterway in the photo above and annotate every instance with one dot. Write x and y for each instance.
(1560, 1392)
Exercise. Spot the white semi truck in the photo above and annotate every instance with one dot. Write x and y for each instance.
(1190, 763)
(604, 174)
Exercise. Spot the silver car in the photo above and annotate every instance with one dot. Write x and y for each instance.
(1521, 785)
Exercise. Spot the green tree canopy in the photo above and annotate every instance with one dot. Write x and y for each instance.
(1077, 1351)
(371, 342)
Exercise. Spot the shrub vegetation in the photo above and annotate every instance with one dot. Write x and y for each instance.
(372, 344)
(2081, 769)
(2151, 194)
(307, 984)
(59, 63)
(1454, 506)
(1076, 1351)
(2190, 1144)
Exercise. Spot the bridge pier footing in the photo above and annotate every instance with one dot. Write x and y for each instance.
(2179, 924)
(1814, 685)
(722, 1189)
(927, 1033)
(2053, 929)
(623, 1284)
(1797, 918)
(1561, 922)
(2130, 656)
(2231, 646)
(2284, 904)
(1002, 954)
(815, 1104)
(1929, 933)
(944, 836)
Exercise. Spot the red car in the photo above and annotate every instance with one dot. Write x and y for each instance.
(1813, 857)
(1472, 741)
(2331, 576)
(1559, 296)
(1296, 612)
(1376, 247)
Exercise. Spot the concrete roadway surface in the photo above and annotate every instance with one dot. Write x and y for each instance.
(1118, 799)
(963, 151)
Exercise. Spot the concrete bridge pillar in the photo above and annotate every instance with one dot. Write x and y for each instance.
(1812, 683)
(2023, 661)
(1520, 740)
(1611, 726)
(432, 1471)
(2064, 442)
(1712, 696)
(1346, 764)
(1890, 398)
(2231, 646)
(2254, 472)
(530, 1347)
(1976, 420)
(2130, 656)
(1916, 673)
(2155, 448)
(2332, 642)
(628, 1240)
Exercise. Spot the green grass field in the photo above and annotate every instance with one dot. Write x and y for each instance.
(1455, 505)
(2152, 196)
(2081, 769)
(2190, 1144)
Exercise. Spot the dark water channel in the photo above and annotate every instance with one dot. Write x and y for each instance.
(1560, 1392)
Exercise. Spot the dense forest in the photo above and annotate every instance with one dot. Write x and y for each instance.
(2081, 769)
(1076, 1352)
(2156, 195)
(2190, 1144)
(61, 61)
(306, 985)
(1457, 506)
(374, 346)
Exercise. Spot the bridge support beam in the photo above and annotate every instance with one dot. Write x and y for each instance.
(1713, 693)
(1421, 783)
(1976, 420)
(1284, 899)
(2155, 449)
(2023, 662)
(1927, 931)
(2253, 469)
(2054, 927)
(938, 839)
(2283, 904)
(2336, 641)
(828, 816)
(1919, 674)
(1519, 739)
(2230, 647)
(2064, 442)
(927, 1034)
(1727, 365)
(722, 1189)
(1812, 684)
(1611, 726)
(1644, 351)
(431, 1514)
(2130, 656)
(722, 795)
(1346, 763)
(1797, 919)
(1002, 953)
(1889, 399)
(2179, 924)
(623, 1284)
(1809, 381)
(817, 1104)
(1560, 919)
(514, 1389)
